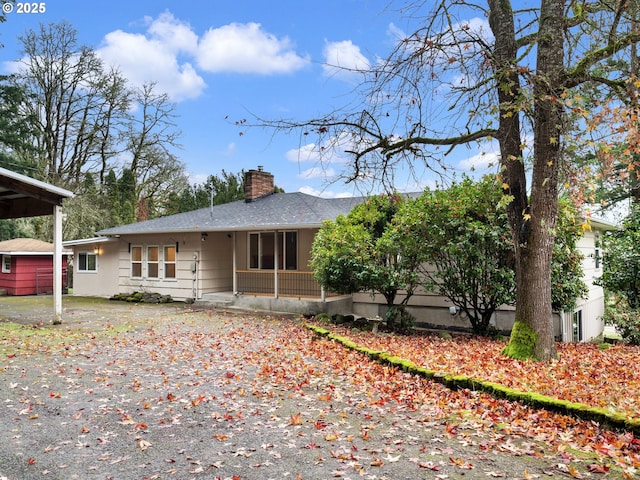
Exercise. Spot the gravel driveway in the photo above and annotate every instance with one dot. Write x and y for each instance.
(122, 391)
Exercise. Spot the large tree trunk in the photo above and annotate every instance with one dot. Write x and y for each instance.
(532, 222)
(548, 130)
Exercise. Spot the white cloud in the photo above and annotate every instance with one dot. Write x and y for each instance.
(154, 57)
(173, 33)
(230, 151)
(395, 33)
(247, 48)
(324, 193)
(318, 173)
(480, 161)
(332, 150)
(12, 67)
(197, 178)
(306, 153)
(344, 60)
(169, 51)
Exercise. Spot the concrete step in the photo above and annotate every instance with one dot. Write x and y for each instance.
(219, 300)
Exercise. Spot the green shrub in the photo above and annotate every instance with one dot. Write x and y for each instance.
(323, 317)
(399, 320)
(627, 323)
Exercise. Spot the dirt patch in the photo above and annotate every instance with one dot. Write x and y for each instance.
(187, 394)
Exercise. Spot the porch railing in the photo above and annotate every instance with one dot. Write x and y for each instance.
(290, 283)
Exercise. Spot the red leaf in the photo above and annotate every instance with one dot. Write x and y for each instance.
(595, 468)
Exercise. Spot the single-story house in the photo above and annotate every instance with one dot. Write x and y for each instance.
(255, 253)
(27, 266)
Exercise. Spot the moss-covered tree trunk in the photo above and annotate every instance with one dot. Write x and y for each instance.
(532, 223)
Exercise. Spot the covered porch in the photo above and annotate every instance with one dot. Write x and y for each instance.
(279, 283)
(274, 263)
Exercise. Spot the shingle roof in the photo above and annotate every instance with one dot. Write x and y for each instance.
(26, 246)
(282, 210)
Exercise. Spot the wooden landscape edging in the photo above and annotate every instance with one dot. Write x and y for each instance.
(456, 382)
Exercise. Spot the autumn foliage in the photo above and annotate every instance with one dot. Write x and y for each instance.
(201, 395)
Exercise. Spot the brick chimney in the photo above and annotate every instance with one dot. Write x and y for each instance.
(257, 183)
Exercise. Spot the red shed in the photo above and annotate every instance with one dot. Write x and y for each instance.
(27, 266)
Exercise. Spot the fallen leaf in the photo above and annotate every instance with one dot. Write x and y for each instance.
(330, 437)
(295, 419)
(430, 466)
(144, 444)
(595, 468)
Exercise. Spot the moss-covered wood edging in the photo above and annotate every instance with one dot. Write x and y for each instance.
(536, 400)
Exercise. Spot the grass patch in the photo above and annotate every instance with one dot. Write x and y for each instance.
(17, 338)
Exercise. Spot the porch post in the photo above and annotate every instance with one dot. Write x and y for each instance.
(275, 265)
(57, 264)
(235, 265)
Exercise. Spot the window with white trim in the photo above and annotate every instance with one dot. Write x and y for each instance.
(6, 263)
(153, 262)
(169, 262)
(136, 261)
(87, 262)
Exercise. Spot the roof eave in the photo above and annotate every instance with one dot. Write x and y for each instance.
(87, 241)
(36, 183)
(245, 228)
(32, 254)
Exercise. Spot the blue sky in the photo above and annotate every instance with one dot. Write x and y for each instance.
(222, 61)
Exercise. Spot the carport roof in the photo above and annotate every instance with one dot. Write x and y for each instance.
(22, 196)
(281, 211)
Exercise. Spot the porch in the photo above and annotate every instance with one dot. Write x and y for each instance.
(279, 291)
(279, 283)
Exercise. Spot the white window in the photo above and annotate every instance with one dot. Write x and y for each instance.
(169, 262)
(87, 262)
(577, 326)
(262, 250)
(136, 262)
(6, 263)
(153, 262)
